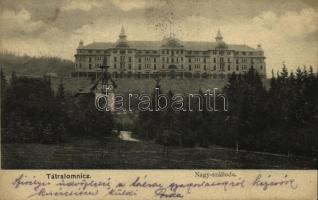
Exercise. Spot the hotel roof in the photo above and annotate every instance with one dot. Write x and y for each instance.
(156, 45)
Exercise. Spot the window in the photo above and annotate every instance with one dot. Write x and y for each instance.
(189, 60)
(90, 51)
(229, 60)
(221, 52)
(105, 51)
(172, 60)
(139, 59)
(129, 51)
(181, 58)
(214, 60)
(154, 51)
(181, 66)
(189, 67)
(228, 52)
(204, 67)
(163, 66)
(90, 59)
(154, 60)
(261, 67)
(97, 51)
(163, 58)
(229, 67)
(204, 60)
(154, 67)
(139, 66)
(237, 67)
(129, 66)
(214, 67)
(115, 66)
(221, 59)
(90, 66)
(237, 60)
(115, 59)
(129, 59)
(115, 51)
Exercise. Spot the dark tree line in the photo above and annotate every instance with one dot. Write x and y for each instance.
(282, 119)
(32, 112)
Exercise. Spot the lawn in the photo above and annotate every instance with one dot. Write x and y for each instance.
(88, 153)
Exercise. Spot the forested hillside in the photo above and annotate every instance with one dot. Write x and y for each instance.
(34, 66)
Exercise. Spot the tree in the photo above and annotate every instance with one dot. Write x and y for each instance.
(247, 97)
(4, 87)
(30, 102)
(48, 136)
(13, 76)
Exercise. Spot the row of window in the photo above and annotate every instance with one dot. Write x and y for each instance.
(148, 66)
(122, 58)
(169, 52)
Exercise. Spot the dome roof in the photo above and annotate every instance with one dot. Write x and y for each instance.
(171, 42)
(221, 45)
(122, 39)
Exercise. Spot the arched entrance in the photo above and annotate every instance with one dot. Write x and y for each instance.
(172, 72)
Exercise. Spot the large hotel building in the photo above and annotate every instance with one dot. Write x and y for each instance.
(168, 57)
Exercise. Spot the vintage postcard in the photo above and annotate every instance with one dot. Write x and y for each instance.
(159, 99)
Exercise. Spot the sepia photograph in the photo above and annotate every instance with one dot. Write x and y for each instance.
(159, 84)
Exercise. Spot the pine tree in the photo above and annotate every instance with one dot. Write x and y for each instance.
(4, 87)
(13, 77)
(61, 117)
(4, 84)
(48, 134)
(60, 95)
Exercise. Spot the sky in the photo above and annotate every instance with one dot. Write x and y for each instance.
(286, 29)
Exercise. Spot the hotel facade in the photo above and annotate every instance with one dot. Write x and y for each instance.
(168, 57)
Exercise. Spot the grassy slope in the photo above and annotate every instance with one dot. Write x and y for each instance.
(117, 154)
